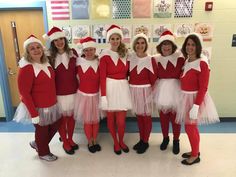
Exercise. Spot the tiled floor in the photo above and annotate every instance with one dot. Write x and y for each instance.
(19, 160)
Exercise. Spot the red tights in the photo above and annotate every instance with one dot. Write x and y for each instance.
(194, 138)
(91, 132)
(145, 127)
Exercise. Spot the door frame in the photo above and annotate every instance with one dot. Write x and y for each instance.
(5, 89)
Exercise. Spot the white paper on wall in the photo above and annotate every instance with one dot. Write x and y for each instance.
(158, 29)
(99, 32)
(144, 28)
(183, 29)
(205, 29)
(68, 32)
(162, 8)
(80, 31)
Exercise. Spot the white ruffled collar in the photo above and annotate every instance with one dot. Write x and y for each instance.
(141, 63)
(37, 67)
(193, 65)
(114, 56)
(86, 64)
(62, 59)
(163, 60)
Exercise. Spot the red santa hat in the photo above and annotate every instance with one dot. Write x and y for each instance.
(54, 33)
(87, 42)
(114, 29)
(166, 36)
(31, 39)
(199, 36)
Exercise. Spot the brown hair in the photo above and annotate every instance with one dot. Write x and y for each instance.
(28, 58)
(197, 42)
(158, 47)
(54, 51)
(135, 42)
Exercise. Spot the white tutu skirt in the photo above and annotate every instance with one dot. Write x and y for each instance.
(47, 116)
(66, 104)
(166, 95)
(141, 105)
(86, 108)
(207, 113)
(118, 95)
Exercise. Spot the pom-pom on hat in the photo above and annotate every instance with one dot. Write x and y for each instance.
(114, 29)
(31, 39)
(166, 36)
(54, 33)
(87, 42)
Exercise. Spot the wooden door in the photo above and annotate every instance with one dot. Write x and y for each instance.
(27, 22)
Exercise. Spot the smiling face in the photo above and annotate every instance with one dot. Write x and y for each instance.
(140, 45)
(115, 41)
(60, 44)
(35, 51)
(89, 53)
(166, 48)
(191, 48)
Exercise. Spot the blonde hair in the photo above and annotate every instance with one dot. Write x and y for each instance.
(28, 58)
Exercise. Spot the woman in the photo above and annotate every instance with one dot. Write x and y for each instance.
(115, 94)
(63, 60)
(87, 96)
(167, 88)
(141, 80)
(36, 84)
(196, 106)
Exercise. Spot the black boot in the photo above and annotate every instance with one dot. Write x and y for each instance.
(137, 145)
(144, 146)
(175, 149)
(164, 143)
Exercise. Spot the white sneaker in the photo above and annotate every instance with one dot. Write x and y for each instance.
(34, 145)
(48, 158)
(54, 156)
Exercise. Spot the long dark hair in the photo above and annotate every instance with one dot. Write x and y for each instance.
(197, 42)
(54, 51)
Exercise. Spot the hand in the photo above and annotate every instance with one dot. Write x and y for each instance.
(35, 120)
(104, 104)
(194, 112)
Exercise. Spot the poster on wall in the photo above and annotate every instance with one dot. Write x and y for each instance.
(183, 29)
(99, 33)
(157, 30)
(205, 29)
(183, 8)
(79, 31)
(80, 9)
(162, 8)
(68, 32)
(146, 29)
(141, 8)
(100, 9)
(121, 9)
(207, 52)
(60, 9)
(127, 33)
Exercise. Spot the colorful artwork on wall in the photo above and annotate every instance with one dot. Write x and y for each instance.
(80, 31)
(183, 29)
(141, 8)
(100, 9)
(127, 33)
(157, 30)
(121, 9)
(60, 9)
(183, 8)
(162, 8)
(145, 28)
(205, 29)
(207, 52)
(68, 31)
(99, 32)
(80, 9)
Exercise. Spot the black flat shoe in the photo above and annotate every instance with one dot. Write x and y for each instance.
(97, 147)
(185, 162)
(126, 150)
(70, 151)
(75, 147)
(137, 145)
(188, 154)
(143, 148)
(91, 148)
(164, 143)
(117, 152)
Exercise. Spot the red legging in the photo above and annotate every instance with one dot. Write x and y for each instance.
(66, 131)
(117, 120)
(194, 138)
(145, 127)
(91, 131)
(165, 118)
